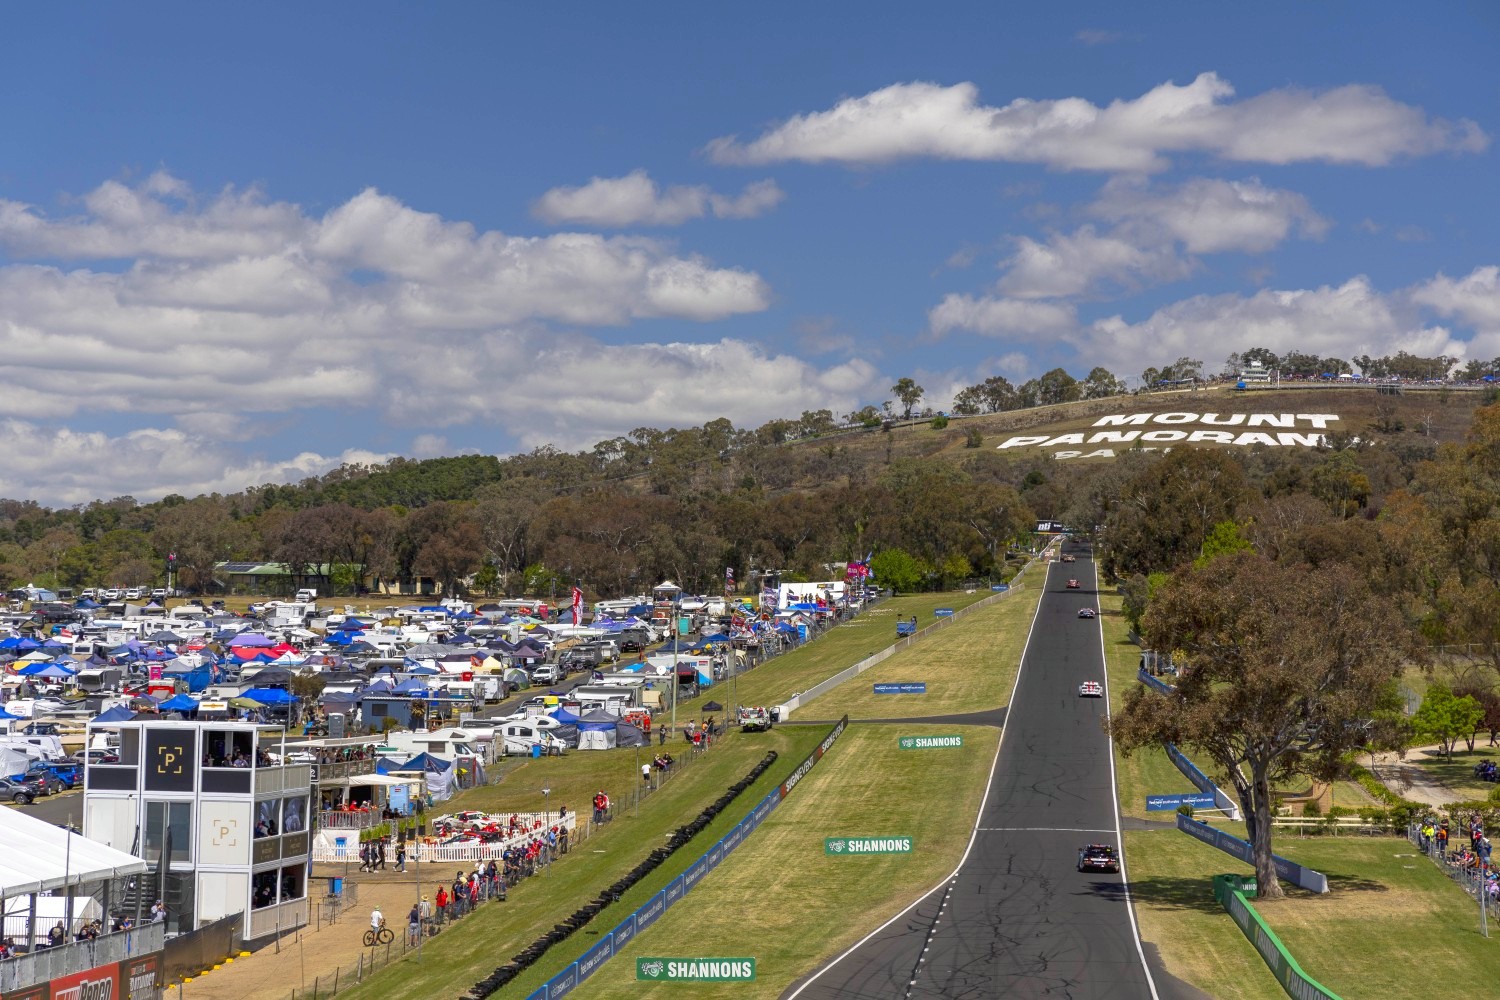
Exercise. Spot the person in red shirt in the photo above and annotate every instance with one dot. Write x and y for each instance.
(442, 901)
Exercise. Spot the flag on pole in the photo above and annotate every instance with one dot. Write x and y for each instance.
(577, 606)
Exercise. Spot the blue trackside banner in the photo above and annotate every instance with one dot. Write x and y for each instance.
(1238, 848)
(623, 933)
(903, 687)
(652, 911)
(563, 983)
(596, 956)
(614, 942)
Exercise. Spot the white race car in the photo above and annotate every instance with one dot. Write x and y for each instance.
(1091, 689)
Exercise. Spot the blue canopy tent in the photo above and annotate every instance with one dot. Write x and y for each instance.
(356, 625)
(252, 639)
(53, 671)
(566, 717)
(342, 638)
(411, 687)
(424, 671)
(270, 696)
(360, 649)
(7, 717)
(179, 703)
(119, 713)
(87, 605)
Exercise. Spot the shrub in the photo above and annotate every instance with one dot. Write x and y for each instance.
(939, 422)
(1311, 808)
(973, 437)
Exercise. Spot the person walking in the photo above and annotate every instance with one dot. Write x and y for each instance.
(401, 856)
(661, 736)
(380, 854)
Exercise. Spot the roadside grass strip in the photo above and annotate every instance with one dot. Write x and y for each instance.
(1145, 772)
(784, 899)
(870, 631)
(969, 666)
(1393, 926)
(471, 949)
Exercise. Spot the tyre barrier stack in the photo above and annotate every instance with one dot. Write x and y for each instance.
(581, 917)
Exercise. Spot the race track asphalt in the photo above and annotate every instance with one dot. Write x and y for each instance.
(1018, 919)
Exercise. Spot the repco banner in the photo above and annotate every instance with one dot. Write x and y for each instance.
(814, 757)
(132, 979)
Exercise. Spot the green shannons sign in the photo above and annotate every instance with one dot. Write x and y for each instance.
(929, 742)
(696, 970)
(866, 845)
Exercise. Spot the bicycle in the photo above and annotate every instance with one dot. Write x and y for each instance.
(382, 936)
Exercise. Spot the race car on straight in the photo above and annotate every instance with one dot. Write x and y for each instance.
(1091, 689)
(1086, 612)
(1098, 858)
(1072, 584)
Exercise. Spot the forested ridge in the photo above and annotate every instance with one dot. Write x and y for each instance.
(934, 503)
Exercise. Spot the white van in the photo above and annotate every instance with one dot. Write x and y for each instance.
(306, 596)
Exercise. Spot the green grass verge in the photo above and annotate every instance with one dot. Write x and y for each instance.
(780, 899)
(1145, 772)
(969, 666)
(1392, 926)
(874, 630)
(456, 959)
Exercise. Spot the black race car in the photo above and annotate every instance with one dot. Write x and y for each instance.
(1098, 858)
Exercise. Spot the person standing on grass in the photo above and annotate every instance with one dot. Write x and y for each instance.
(413, 924)
(1442, 839)
(442, 902)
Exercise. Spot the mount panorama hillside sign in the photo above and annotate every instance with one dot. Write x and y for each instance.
(1153, 431)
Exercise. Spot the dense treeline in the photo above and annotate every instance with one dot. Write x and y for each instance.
(687, 503)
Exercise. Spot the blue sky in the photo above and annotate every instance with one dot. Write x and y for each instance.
(242, 244)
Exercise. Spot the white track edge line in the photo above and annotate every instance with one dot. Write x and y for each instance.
(1114, 794)
(978, 817)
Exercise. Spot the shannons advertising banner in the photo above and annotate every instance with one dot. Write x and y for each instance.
(696, 970)
(929, 742)
(847, 846)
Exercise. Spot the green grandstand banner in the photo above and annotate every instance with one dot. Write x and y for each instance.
(848, 846)
(929, 742)
(1230, 891)
(695, 970)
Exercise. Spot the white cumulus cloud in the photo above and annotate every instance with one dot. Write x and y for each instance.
(635, 200)
(1351, 124)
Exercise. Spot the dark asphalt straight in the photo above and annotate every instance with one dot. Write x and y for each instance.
(1018, 919)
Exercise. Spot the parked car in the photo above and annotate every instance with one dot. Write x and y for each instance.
(547, 673)
(16, 791)
(67, 771)
(45, 777)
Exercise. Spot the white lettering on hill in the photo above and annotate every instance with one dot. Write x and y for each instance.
(1291, 430)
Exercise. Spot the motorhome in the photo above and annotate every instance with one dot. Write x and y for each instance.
(40, 747)
(447, 743)
(616, 700)
(518, 736)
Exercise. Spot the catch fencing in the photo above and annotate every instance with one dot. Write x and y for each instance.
(1474, 879)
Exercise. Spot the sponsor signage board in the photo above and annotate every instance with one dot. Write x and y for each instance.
(1198, 800)
(849, 846)
(929, 742)
(943, 612)
(1233, 846)
(1000, 588)
(695, 970)
(904, 687)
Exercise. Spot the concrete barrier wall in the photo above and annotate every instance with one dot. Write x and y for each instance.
(1297, 984)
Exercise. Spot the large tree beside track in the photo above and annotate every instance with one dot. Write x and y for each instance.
(1282, 667)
